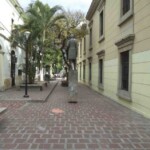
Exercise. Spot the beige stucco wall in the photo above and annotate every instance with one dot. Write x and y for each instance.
(142, 26)
(138, 24)
(141, 57)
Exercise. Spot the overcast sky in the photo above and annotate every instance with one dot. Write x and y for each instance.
(82, 5)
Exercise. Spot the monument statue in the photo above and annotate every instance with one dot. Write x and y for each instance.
(72, 50)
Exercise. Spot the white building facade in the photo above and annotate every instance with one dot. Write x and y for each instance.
(11, 59)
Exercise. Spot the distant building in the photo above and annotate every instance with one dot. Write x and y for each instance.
(114, 57)
(11, 59)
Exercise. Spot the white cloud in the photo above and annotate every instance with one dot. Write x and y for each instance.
(82, 5)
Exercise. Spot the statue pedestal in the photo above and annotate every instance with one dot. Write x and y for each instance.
(73, 81)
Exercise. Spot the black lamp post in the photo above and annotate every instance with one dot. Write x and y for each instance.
(27, 34)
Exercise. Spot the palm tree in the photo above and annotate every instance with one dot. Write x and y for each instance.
(38, 19)
(42, 17)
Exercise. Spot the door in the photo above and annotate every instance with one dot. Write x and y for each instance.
(13, 67)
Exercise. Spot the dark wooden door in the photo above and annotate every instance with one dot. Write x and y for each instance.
(13, 67)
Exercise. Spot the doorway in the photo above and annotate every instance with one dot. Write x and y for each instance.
(13, 67)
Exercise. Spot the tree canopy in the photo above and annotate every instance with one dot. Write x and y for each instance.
(47, 25)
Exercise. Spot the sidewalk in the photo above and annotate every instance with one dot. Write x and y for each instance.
(94, 123)
(16, 97)
(14, 94)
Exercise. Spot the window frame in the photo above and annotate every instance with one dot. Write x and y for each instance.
(122, 69)
(101, 23)
(101, 55)
(90, 70)
(80, 65)
(101, 8)
(84, 70)
(90, 38)
(124, 94)
(84, 45)
(81, 48)
(127, 15)
(123, 7)
(125, 44)
(101, 36)
(90, 25)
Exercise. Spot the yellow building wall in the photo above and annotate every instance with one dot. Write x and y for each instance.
(138, 24)
(141, 57)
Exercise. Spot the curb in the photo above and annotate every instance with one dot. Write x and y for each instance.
(51, 91)
(45, 99)
(2, 109)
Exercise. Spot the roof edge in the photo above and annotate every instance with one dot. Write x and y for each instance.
(92, 9)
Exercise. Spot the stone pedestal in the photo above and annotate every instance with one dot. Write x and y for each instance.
(73, 81)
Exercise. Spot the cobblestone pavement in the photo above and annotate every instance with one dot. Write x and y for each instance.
(94, 123)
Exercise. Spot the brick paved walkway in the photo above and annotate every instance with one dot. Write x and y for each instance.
(94, 123)
(35, 94)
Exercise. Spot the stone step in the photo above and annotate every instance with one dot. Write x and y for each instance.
(2, 109)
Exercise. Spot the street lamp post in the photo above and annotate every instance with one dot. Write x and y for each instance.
(27, 34)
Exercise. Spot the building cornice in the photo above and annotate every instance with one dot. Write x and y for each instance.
(17, 6)
(93, 7)
(89, 58)
(127, 40)
(101, 53)
(101, 4)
